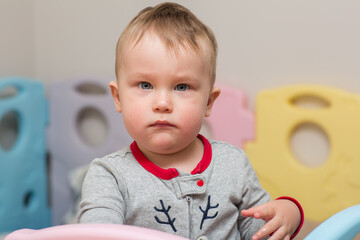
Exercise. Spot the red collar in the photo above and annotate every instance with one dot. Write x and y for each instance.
(170, 173)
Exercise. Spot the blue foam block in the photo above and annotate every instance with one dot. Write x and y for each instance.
(23, 172)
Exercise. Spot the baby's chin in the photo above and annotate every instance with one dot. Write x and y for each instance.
(167, 146)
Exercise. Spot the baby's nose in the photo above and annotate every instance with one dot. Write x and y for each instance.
(162, 102)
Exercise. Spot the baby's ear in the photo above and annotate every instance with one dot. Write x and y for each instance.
(214, 94)
(114, 88)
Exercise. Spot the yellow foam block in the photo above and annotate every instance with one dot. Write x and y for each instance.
(322, 190)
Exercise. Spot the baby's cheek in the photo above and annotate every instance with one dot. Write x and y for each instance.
(193, 122)
(132, 122)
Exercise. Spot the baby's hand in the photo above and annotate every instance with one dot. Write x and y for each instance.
(282, 219)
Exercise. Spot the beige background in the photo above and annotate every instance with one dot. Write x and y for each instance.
(262, 44)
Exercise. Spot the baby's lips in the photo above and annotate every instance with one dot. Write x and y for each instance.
(162, 123)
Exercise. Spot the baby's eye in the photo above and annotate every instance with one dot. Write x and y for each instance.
(145, 85)
(182, 87)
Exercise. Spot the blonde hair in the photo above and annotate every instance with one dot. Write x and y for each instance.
(176, 26)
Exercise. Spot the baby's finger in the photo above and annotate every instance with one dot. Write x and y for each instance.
(265, 213)
(251, 211)
(270, 227)
(266, 230)
(280, 234)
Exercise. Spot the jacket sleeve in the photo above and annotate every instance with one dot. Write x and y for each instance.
(252, 195)
(102, 195)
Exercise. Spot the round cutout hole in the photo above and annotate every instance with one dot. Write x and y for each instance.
(92, 127)
(310, 102)
(9, 130)
(91, 89)
(310, 144)
(28, 199)
(8, 92)
(48, 177)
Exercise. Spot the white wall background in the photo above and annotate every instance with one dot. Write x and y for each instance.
(262, 44)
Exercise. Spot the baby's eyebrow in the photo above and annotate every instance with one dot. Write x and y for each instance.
(185, 78)
(141, 75)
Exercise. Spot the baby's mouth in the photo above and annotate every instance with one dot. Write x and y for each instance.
(162, 123)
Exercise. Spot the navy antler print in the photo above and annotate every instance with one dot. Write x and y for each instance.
(166, 211)
(206, 211)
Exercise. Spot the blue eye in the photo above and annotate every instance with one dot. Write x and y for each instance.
(182, 87)
(145, 85)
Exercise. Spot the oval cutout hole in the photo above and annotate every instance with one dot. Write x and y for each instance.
(91, 89)
(92, 127)
(9, 130)
(8, 92)
(310, 145)
(310, 102)
(28, 199)
(48, 176)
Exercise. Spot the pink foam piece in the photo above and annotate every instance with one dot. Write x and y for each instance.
(91, 232)
(230, 120)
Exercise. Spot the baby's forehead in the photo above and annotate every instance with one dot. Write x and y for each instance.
(173, 47)
(135, 47)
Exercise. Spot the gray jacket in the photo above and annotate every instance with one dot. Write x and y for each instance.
(126, 188)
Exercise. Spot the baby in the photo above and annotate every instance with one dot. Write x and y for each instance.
(171, 178)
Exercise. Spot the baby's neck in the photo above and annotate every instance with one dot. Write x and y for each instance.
(185, 160)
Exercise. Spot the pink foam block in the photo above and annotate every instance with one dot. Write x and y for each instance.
(230, 120)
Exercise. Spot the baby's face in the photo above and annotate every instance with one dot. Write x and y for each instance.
(163, 97)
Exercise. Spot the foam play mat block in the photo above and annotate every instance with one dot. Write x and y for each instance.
(322, 190)
(67, 147)
(230, 120)
(23, 174)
